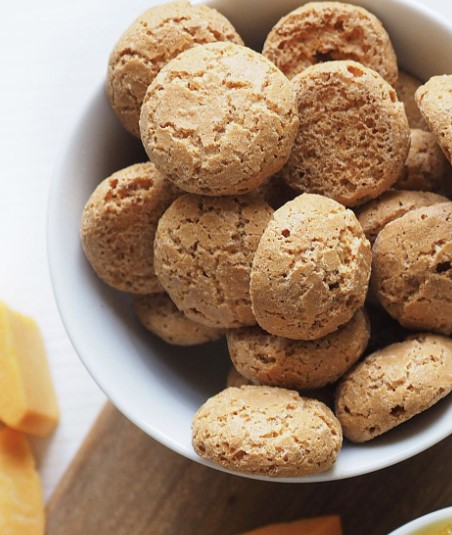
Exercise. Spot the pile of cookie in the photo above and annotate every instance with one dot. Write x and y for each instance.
(294, 201)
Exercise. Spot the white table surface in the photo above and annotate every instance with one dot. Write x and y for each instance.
(54, 54)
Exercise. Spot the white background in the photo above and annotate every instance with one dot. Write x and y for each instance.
(54, 55)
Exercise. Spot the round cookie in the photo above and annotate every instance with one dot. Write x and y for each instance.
(406, 88)
(435, 102)
(153, 39)
(219, 119)
(426, 167)
(267, 431)
(204, 248)
(158, 314)
(271, 360)
(326, 31)
(353, 137)
(311, 269)
(412, 268)
(390, 205)
(394, 384)
(119, 223)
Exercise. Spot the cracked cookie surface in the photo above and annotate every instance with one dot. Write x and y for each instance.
(219, 119)
(353, 137)
(311, 269)
(267, 431)
(412, 268)
(330, 31)
(271, 360)
(204, 248)
(153, 39)
(434, 99)
(394, 384)
(390, 205)
(119, 223)
(426, 168)
(158, 314)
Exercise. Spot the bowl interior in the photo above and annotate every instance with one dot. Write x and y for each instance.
(157, 386)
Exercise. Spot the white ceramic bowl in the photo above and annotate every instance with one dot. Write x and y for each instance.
(159, 387)
(430, 524)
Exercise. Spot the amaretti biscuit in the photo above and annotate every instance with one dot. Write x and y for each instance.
(412, 268)
(204, 248)
(275, 361)
(394, 384)
(158, 314)
(390, 205)
(157, 36)
(406, 88)
(311, 269)
(267, 431)
(426, 168)
(353, 138)
(327, 31)
(119, 223)
(219, 119)
(435, 102)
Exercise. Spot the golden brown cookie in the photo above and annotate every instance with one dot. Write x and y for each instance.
(394, 384)
(435, 102)
(390, 205)
(156, 37)
(119, 223)
(412, 268)
(267, 431)
(406, 87)
(158, 314)
(311, 269)
(426, 168)
(271, 360)
(204, 248)
(326, 31)
(219, 119)
(353, 138)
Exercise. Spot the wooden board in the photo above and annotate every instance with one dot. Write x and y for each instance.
(124, 483)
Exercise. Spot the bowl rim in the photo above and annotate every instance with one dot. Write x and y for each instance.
(424, 521)
(56, 277)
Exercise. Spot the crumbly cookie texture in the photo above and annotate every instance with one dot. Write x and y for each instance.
(275, 361)
(426, 168)
(406, 88)
(219, 119)
(119, 223)
(390, 205)
(327, 31)
(267, 431)
(158, 314)
(311, 269)
(394, 384)
(412, 268)
(435, 102)
(353, 137)
(156, 37)
(204, 248)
